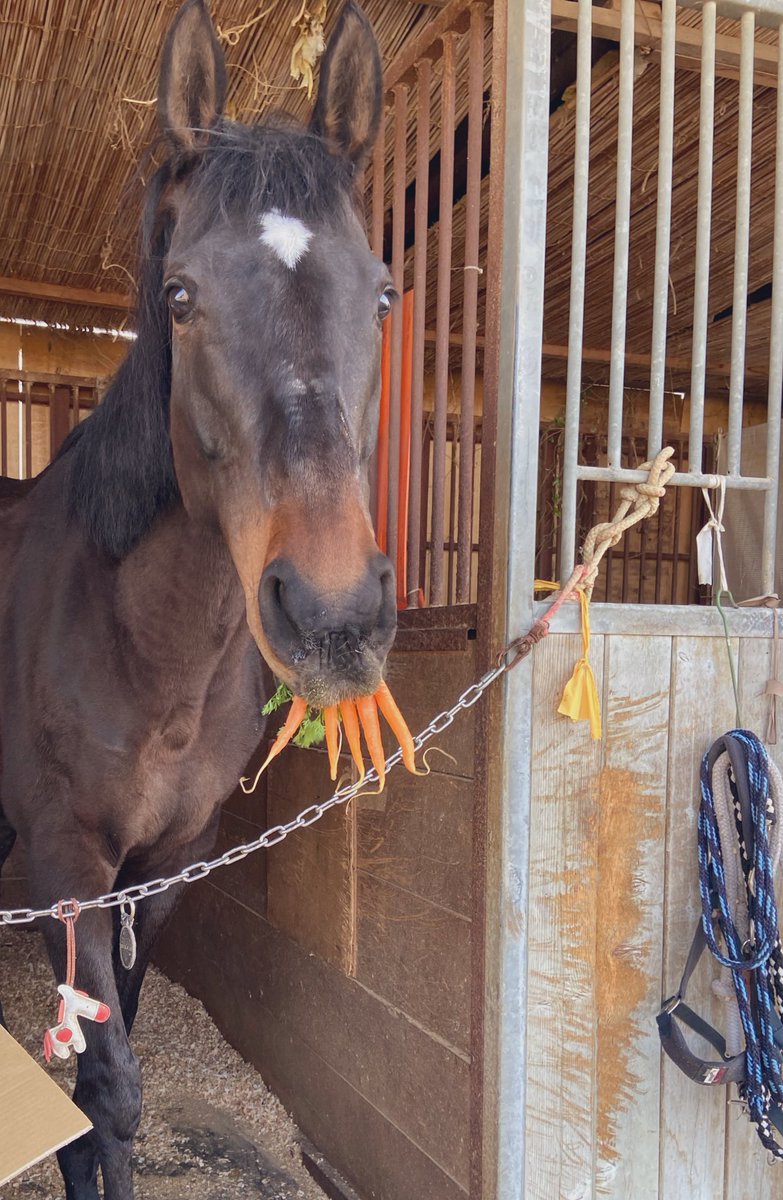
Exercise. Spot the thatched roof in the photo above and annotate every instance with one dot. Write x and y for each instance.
(76, 88)
(75, 118)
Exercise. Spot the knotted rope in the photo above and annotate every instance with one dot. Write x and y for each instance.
(637, 501)
(743, 912)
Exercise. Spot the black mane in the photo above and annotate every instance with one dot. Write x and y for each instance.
(121, 470)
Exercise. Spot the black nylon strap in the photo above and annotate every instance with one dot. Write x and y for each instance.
(700, 1070)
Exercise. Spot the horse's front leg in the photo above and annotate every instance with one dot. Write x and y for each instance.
(153, 912)
(108, 1082)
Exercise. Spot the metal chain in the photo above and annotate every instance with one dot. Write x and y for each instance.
(278, 833)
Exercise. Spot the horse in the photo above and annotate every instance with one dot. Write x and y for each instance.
(213, 506)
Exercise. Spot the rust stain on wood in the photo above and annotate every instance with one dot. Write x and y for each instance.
(624, 824)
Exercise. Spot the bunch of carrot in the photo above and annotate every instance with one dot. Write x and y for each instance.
(362, 712)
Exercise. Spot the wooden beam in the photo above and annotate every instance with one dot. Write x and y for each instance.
(34, 290)
(455, 17)
(648, 33)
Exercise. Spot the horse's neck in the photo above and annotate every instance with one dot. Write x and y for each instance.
(180, 601)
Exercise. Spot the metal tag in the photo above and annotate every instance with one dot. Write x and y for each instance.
(127, 936)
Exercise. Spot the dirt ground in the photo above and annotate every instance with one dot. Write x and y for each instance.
(210, 1127)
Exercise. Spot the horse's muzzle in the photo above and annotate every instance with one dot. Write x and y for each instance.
(333, 644)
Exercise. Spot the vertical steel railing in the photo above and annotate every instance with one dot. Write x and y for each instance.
(662, 229)
(768, 552)
(398, 271)
(470, 302)
(703, 229)
(442, 319)
(622, 229)
(741, 243)
(573, 469)
(578, 263)
(420, 245)
(433, 360)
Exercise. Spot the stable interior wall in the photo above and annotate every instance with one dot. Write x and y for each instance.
(339, 962)
(613, 906)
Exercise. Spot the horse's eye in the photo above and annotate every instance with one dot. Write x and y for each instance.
(179, 301)
(385, 304)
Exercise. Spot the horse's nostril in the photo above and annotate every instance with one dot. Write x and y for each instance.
(334, 626)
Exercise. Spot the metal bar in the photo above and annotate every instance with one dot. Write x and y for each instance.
(3, 427)
(398, 270)
(470, 300)
(443, 310)
(526, 154)
(28, 434)
(424, 83)
(658, 583)
(376, 243)
(577, 297)
(741, 243)
(703, 229)
(424, 502)
(662, 229)
(678, 495)
(769, 541)
(622, 231)
(378, 189)
(52, 433)
(679, 479)
(452, 545)
(611, 552)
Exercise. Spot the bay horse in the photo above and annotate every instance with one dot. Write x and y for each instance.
(214, 504)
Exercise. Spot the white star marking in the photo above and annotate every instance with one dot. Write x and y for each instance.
(288, 237)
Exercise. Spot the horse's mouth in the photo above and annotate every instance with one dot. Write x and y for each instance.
(338, 667)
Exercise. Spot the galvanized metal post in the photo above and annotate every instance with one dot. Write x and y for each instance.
(521, 324)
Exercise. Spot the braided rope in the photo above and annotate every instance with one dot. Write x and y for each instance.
(753, 955)
(637, 501)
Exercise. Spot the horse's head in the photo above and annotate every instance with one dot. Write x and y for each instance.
(276, 304)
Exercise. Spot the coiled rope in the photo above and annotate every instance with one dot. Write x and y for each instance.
(740, 840)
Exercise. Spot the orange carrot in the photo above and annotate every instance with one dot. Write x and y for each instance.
(387, 704)
(293, 721)
(352, 733)
(368, 715)
(332, 743)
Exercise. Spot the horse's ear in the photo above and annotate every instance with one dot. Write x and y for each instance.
(350, 92)
(192, 87)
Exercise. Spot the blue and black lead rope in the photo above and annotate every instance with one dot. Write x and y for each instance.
(757, 964)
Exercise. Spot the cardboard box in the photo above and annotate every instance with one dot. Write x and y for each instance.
(36, 1116)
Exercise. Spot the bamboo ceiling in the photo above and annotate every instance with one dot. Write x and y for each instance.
(75, 120)
(76, 85)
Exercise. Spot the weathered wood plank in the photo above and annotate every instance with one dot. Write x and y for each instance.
(630, 837)
(692, 1117)
(424, 684)
(422, 842)
(561, 1073)
(416, 955)
(385, 1102)
(310, 885)
(246, 880)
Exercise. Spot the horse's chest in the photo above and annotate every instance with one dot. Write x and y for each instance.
(187, 766)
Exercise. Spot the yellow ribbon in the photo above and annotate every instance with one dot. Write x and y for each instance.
(580, 696)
